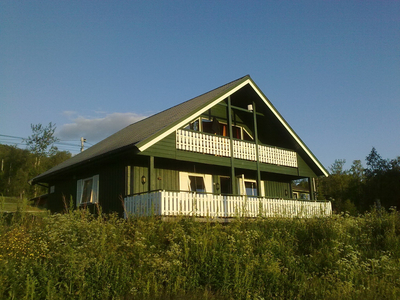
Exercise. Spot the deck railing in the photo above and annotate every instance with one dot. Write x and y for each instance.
(218, 145)
(166, 203)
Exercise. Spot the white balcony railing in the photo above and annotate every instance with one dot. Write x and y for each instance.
(165, 203)
(217, 145)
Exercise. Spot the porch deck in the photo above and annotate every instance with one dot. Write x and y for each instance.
(172, 203)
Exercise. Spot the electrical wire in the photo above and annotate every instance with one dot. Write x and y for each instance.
(61, 144)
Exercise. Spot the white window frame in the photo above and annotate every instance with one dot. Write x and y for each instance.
(184, 181)
(200, 129)
(242, 187)
(94, 195)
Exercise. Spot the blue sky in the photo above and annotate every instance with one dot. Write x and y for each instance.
(331, 68)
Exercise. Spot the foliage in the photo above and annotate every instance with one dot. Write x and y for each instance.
(19, 166)
(358, 189)
(80, 256)
(42, 140)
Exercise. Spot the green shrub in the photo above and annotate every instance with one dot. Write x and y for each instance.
(81, 256)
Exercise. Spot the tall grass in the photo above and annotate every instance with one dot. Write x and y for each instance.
(80, 256)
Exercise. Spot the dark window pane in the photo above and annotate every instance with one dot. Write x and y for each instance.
(197, 184)
(246, 136)
(87, 191)
(207, 126)
(225, 185)
(251, 188)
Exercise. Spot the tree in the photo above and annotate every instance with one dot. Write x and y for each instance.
(382, 180)
(335, 186)
(376, 164)
(356, 185)
(41, 142)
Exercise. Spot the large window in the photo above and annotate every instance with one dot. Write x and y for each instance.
(193, 182)
(213, 126)
(87, 190)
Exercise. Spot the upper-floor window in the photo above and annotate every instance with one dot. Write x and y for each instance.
(216, 127)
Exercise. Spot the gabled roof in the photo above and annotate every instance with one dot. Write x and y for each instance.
(149, 131)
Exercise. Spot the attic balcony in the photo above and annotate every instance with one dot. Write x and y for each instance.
(175, 203)
(193, 141)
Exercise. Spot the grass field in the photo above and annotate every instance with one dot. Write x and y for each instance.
(79, 256)
(13, 204)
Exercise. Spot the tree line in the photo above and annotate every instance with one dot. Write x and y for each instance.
(358, 189)
(18, 166)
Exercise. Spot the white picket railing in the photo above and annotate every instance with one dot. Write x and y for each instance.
(217, 145)
(167, 203)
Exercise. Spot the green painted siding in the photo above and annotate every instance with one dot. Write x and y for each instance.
(166, 179)
(304, 169)
(161, 179)
(275, 189)
(64, 190)
(165, 148)
(138, 186)
(111, 186)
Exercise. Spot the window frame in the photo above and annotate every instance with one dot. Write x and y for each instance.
(94, 191)
(199, 120)
(242, 187)
(184, 182)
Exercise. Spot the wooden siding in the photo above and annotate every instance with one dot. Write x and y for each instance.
(275, 189)
(166, 179)
(111, 186)
(304, 169)
(164, 148)
(64, 190)
(138, 186)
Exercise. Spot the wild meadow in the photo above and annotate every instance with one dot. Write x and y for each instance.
(77, 255)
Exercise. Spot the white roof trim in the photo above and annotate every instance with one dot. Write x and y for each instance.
(285, 124)
(266, 101)
(191, 117)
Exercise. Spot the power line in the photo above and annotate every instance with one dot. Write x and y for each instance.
(20, 141)
(10, 136)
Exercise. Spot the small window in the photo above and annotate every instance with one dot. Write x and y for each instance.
(197, 184)
(87, 190)
(225, 186)
(251, 188)
(52, 189)
(247, 136)
(193, 125)
(241, 134)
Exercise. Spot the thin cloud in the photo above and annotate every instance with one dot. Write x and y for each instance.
(97, 129)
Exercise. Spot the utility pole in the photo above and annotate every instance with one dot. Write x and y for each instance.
(82, 141)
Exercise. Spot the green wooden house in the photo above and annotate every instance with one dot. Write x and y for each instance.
(222, 154)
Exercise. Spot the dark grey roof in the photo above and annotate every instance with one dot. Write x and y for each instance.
(142, 130)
